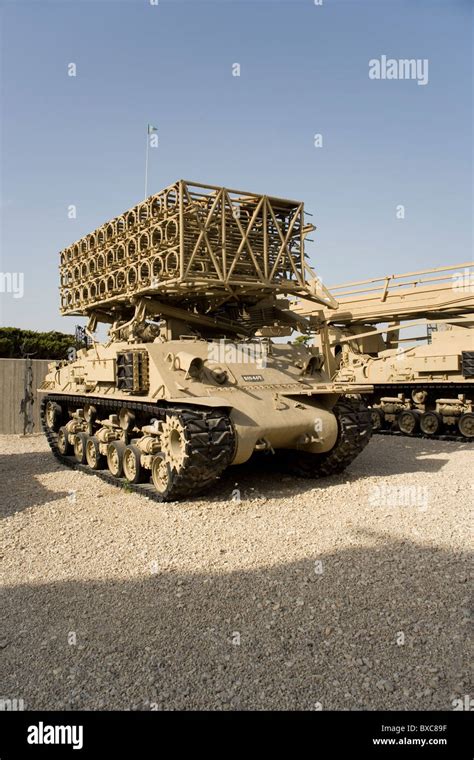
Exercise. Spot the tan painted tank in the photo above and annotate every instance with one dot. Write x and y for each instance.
(193, 284)
(411, 337)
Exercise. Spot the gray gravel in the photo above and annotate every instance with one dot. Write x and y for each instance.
(346, 593)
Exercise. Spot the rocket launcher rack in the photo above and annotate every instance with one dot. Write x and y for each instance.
(191, 244)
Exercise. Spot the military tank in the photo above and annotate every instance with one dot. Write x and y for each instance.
(411, 337)
(193, 284)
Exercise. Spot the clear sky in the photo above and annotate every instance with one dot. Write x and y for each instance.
(304, 70)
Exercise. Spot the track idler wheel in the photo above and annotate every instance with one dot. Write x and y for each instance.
(466, 425)
(64, 447)
(115, 451)
(408, 420)
(132, 468)
(431, 423)
(95, 459)
(80, 442)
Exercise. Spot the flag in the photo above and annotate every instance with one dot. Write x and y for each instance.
(152, 129)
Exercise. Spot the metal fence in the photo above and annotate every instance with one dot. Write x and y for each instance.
(19, 401)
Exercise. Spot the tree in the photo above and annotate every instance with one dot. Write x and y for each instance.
(301, 340)
(15, 343)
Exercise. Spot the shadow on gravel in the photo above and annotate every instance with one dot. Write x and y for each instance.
(379, 459)
(261, 476)
(17, 473)
(423, 455)
(277, 637)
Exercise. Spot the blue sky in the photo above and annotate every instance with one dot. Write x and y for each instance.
(304, 70)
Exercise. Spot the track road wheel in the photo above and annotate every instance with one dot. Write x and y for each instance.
(80, 441)
(64, 447)
(95, 459)
(466, 425)
(161, 476)
(377, 418)
(132, 468)
(115, 452)
(431, 423)
(52, 415)
(408, 421)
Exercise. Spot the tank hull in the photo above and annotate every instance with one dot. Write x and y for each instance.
(196, 406)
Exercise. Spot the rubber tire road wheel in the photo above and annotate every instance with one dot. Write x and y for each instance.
(95, 459)
(430, 423)
(80, 441)
(161, 476)
(377, 418)
(132, 468)
(64, 447)
(407, 421)
(115, 451)
(466, 425)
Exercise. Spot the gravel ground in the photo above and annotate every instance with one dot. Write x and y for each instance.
(346, 593)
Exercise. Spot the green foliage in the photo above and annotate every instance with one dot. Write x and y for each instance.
(301, 339)
(15, 343)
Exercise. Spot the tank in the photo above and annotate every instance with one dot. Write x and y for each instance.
(195, 375)
(411, 337)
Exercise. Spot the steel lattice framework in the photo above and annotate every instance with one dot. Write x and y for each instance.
(189, 241)
(429, 293)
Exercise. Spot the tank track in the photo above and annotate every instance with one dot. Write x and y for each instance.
(355, 429)
(210, 444)
(435, 388)
(419, 434)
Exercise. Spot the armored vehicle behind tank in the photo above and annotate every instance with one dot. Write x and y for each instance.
(411, 337)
